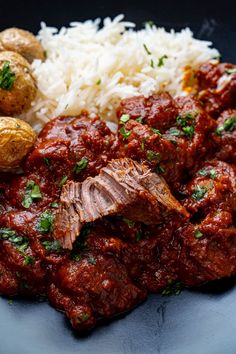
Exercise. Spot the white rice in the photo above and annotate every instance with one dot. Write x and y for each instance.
(93, 67)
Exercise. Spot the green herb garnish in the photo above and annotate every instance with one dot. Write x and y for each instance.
(161, 60)
(7, 77)
(20, 242)
(98, 82)
(51, 246)
(198, 233)
(45, 223)
(139, 120)
(156, 131)
(46, 160)
(199, 192)
(152, 155)
(29, 260)
(92, 260)
(174, 132)
(54, 205)
(160, 169)
(63, 181)
(228, 125)
(80, 166)
(124, 133)
(124, 118)
(230, 71)
(152, 63)
(138, 236)
(188, 131)
(146, 49)
(173, 288)
(32, 193)
(148, 23)
(130, 223)
(205, 172)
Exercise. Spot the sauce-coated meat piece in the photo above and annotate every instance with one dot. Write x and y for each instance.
(225, 136)
(217, 86)
(157, 111)
(76, 147)
(208, 244)
(179, 149)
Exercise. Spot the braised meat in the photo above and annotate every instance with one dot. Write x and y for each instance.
(154, 205)
(123, 187)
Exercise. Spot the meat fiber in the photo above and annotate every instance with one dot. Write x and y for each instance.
(123, 187)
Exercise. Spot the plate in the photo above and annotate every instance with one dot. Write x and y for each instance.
(197, 321)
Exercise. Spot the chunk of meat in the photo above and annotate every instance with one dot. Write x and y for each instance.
(123, 187)
(225, 136)
(75, 147)
(217, 86)
(157, 111)
(98, 287)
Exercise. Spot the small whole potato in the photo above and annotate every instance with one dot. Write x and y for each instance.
(22, 42)
(16, 139)
(17, 85)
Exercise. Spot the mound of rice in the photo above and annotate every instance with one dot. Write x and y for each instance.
(93, 67)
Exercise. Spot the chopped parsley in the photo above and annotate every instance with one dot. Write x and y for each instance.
(161, 60)
(124, 118)
(198, 233)
(54, 205)
(82, 318)
(148, 23)
(199, 192)
(173, 288)
(29, 260)
(174, 131)
(52, 245)
(7, 77)
(188, 131)
(92, 260)
(228, 125)
(152, 63)
(160, 169)
(183, 121)
(156, 131)
(230, 71)
(142, 145)
(146, 49)
(124, 133)
(139, 120)
(206, 172)
(32, 193)
(80, 166)
(20, 242)
(63, 181)
(46, 160)
(128, 222)
(98, 82)
(152, 155)
(138, 236)
(45, 223)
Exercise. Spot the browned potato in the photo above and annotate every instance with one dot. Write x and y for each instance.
(17, 84)
(16, 139)
(22, 42)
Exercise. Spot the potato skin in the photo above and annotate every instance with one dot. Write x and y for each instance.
(21, 42)
(16, 139)
(17, 99)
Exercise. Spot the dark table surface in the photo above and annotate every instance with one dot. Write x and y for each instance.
(201, 322)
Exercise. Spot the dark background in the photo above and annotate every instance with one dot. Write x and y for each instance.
(209, 19)
(196, 322)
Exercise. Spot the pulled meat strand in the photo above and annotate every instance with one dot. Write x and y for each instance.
(123, 187)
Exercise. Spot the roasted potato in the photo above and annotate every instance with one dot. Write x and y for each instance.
(17, 85)
(16, 139)
(22, 42)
